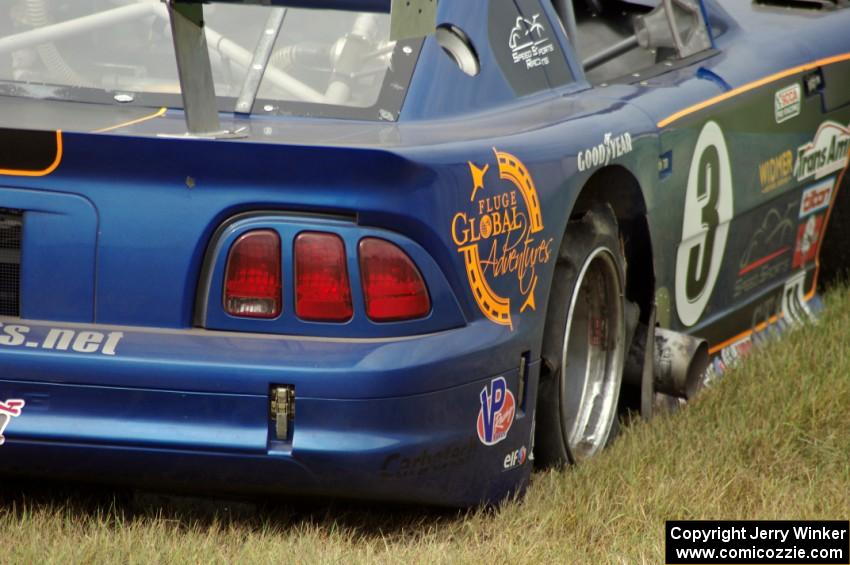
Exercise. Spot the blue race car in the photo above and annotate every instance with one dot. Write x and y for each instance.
(398, 250)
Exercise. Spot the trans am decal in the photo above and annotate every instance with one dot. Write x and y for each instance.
(825, 154)
(8, 410)
(705, 227)
(499, 236)
(496, 415)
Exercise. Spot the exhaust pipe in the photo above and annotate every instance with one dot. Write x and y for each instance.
(680, 363)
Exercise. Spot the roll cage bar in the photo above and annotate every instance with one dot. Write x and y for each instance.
(408, 19)
(662, 27)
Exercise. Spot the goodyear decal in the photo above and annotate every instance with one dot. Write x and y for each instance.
(500, 239)
(8, 410)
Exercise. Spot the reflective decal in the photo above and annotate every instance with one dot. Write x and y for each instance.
(8, 410)
(500, 239)
(705, 226)
(496, 415)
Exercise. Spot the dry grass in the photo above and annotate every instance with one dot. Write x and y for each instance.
(769, 441)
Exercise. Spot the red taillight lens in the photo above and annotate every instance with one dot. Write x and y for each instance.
(392, 285)
(252, 279)
(322, 290)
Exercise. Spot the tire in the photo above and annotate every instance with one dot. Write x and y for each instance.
(584, 343)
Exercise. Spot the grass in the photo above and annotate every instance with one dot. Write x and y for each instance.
(771, 440)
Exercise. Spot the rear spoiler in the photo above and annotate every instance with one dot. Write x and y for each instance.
(408, 19)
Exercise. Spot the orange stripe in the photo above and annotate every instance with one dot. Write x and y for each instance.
(836, 190)
(42, 172)
(751, 86)
(748, 333)
(157, 114)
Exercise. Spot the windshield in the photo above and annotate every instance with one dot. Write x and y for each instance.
(323, 62)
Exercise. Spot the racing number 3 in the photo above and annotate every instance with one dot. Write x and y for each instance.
(708, 193)
(705, 226)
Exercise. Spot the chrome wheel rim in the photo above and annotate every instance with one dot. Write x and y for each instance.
(592, 356)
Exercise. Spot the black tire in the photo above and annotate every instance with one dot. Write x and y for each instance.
(577, 405)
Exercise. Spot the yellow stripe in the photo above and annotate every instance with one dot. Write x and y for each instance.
(751, 86)
(159, 113)
(42, 172)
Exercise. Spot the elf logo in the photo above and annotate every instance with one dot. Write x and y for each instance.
(515, 459)
(496, 415)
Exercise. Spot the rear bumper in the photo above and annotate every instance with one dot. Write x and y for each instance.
(378, 419)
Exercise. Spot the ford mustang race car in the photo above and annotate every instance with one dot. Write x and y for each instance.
(398, 250)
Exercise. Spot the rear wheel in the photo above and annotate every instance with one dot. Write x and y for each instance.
(584, 343)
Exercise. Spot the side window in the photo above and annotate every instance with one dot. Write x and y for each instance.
(526, 47)
(616, 38)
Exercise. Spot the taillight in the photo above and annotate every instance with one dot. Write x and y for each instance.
(392, 285)
(252, 279)
(322, 289)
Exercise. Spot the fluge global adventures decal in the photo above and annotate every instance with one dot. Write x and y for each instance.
(500, 238)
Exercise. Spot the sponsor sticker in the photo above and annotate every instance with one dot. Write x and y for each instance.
(816, 198)
(8, 410)
(776, 172)
(732, 355)
(600, 155)
(515, 459)
(500, 236)
(427, 461)
(61, 339)
(795, 310)
(496, 415)
(787, 103)
(529, 42)
(825, 154)
(768, 252)
(808, 236)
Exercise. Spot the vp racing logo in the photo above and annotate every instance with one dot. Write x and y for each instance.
(497, 412)
(8, 410)
(500, 239)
